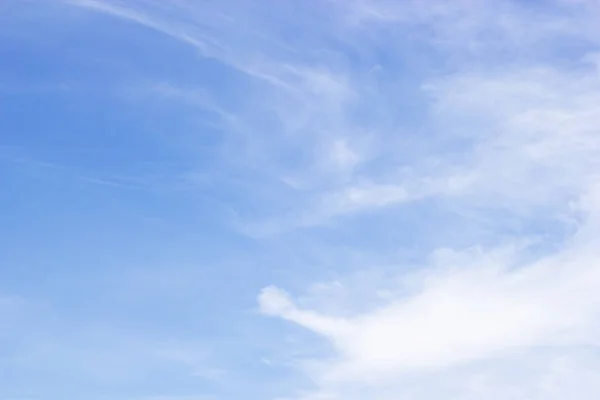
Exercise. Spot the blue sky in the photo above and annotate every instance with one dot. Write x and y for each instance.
(317, 200)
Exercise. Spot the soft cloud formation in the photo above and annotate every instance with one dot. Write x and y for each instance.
(464, 307)
(484, 322)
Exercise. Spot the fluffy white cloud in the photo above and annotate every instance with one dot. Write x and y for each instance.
(474, 315)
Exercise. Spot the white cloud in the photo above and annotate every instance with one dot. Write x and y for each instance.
(464, 308)
(485, 323)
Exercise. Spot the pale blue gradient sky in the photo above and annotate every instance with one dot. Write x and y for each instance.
(316, 200)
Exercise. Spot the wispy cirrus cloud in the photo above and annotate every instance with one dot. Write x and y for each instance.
(313, 107)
